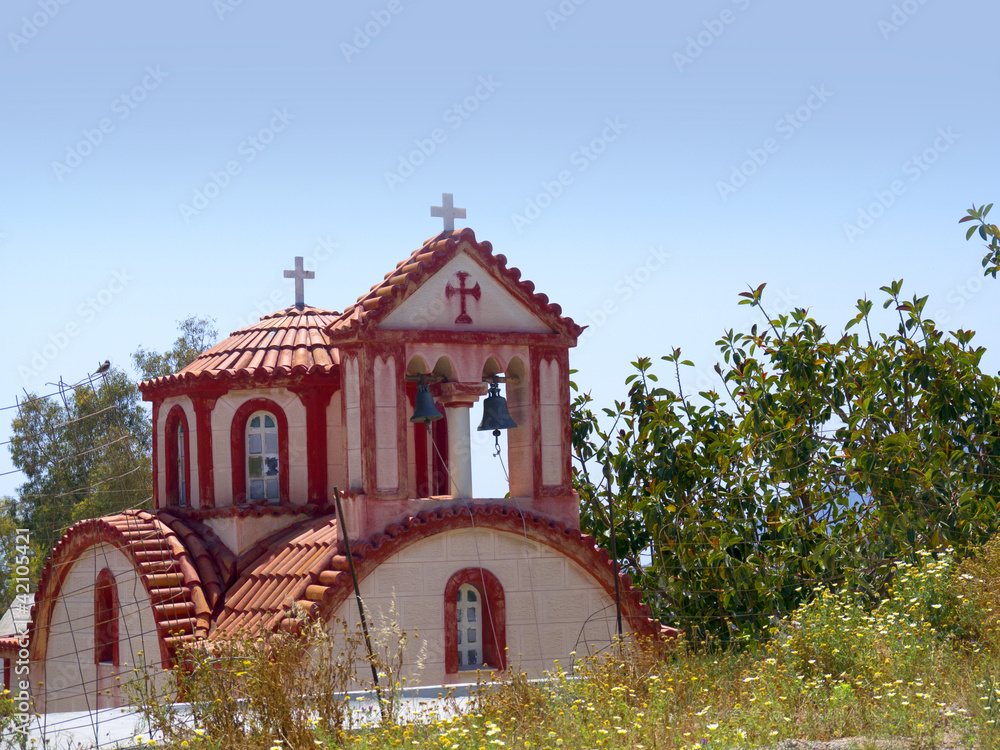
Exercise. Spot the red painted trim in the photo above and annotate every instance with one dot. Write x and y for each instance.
(176, 418)
(238, 447)
(203, 406)
(6, 674)
(222, 381)
(315, 399)
(494, 626)
(106, 616)
(156, 456)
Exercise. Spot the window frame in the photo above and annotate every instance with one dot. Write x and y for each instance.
(493, 616)
(238, 449)
(106, 585)
(177, 417)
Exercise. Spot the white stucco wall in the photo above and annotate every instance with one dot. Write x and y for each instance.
(69, 674)
(553, 605)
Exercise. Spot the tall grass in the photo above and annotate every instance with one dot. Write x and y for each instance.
(922, 662)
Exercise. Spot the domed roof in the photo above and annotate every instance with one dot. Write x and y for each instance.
(289, 342)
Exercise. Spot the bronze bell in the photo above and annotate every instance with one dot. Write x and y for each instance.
(495, 414)
(425, 410)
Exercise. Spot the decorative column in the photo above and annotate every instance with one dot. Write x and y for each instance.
(315, 398)
(203, 404)
(458, 399)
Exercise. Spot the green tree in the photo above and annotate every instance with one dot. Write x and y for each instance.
(820, 460)
(84, 458)
(89, 454)
(196, 335)
(988, 233)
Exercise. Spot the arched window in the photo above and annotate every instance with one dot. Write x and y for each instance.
(263, 468)
(475, 617)
(178, 458)
(259, 442)
(106, 619)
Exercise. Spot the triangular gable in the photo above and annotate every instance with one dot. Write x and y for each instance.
(416, 296)
(464, 296)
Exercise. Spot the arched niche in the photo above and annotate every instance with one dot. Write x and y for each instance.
(443, 368)
(520, 441)
(427, 445)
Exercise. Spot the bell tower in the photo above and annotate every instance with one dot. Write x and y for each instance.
(450, 342)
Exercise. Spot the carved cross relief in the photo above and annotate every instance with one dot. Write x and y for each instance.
(462, 291)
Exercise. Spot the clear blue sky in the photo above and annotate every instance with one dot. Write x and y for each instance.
(682, 152)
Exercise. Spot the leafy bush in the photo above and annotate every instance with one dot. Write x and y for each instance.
(821, 460)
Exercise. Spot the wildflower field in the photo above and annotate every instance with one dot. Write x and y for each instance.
(922, 661)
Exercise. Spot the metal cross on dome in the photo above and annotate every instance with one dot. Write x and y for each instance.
(448, 212)
(300, 274)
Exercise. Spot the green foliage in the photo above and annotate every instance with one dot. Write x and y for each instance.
(84, 458)
(837, 667)
(196, 335)
(827, 459)
(89, 454)
(989, 233)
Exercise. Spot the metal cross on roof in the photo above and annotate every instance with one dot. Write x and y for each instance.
(299, 274)
(448, 212)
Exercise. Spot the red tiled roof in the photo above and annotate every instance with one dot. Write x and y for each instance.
(9, 646)
(276, 574)
(171, 578)
(292, 341)
(428, 259)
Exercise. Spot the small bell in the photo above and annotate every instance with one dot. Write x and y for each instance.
(425, 410)
(495, 414)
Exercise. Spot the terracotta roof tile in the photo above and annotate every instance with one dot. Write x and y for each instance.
(165, 566)
(279, 575)
(292, 341)
(426, 260)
